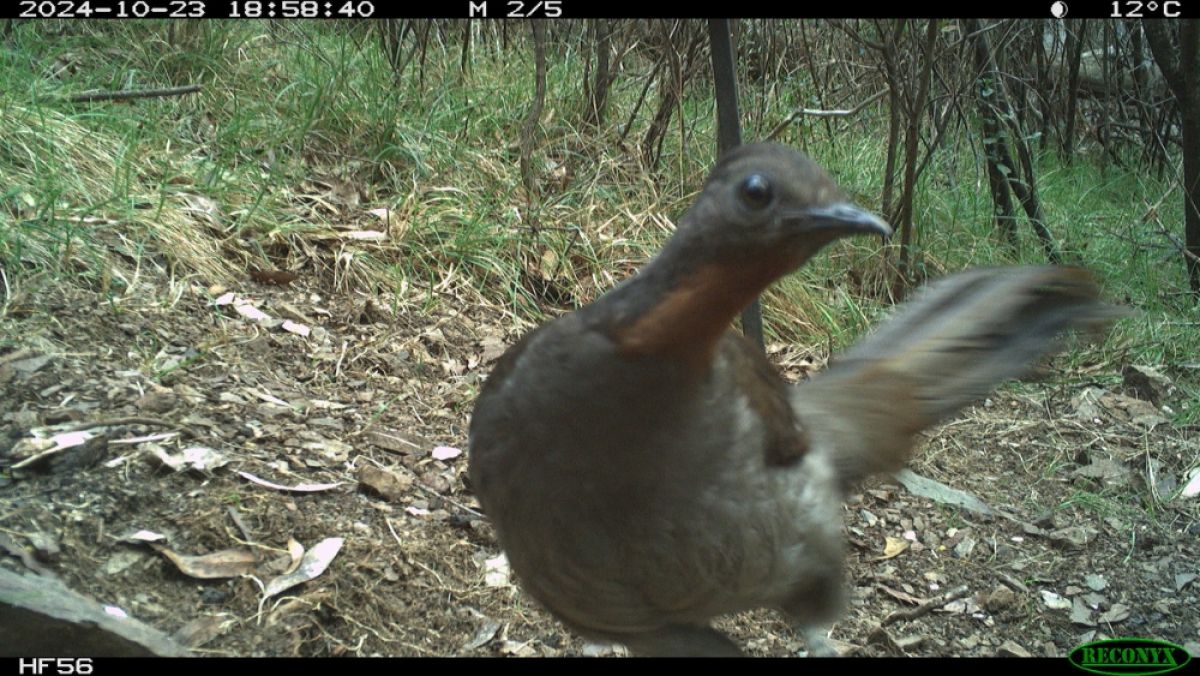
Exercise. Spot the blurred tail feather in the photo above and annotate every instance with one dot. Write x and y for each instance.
(947, 348)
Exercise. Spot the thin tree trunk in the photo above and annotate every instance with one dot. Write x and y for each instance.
(598, 86)
(912, 137)
(1179, 61)
(892, 76)
(464, 62)
(529, 129)
(1042, 90)
(428, 27)
(999, 109)
(1074, 52)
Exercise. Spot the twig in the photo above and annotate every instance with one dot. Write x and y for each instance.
(1178, 245)
(1140, 244)
(420, 486)
(16, 355)
(88, 97)
(925, 608)
(113, 422)
(7, 292)
(1012, 582)
(1151, 211)
(813, 112)
(241, 525)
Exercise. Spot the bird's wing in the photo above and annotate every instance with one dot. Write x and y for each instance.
(948, 347)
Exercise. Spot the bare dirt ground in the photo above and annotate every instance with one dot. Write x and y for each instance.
(366, 414)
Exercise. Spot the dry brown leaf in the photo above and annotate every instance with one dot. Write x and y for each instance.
(388, 485)
(213, 566)
(298, 488)
(493, 348)
(298, 329)
(497, 571)
(295, 554)
(393, 224)
(549, 265)
(275, 277)
(343, 192)
(899, 595)
(1192, 489)
(204, 629)
(396, 442)
(1054, 601)
(1118, 613)
(893, 547)
(313, 563)
(445, 453)
(248, 311)
(364, 235)
(204, 207)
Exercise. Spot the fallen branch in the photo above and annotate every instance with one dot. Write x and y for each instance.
(925, 608)
(99, 95)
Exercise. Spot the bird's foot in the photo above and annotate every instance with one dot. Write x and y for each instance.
(819, 643)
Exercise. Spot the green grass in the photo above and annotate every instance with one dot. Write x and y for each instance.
(1109, 504)
(239, 176)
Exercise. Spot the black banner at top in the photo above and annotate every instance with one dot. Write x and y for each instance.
(586, 9)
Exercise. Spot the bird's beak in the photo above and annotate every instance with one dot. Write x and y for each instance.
(841, 219)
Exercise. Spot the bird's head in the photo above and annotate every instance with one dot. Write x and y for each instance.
(769, 205)
(764, 211)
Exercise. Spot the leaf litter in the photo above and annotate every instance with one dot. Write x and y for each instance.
(1029, 535)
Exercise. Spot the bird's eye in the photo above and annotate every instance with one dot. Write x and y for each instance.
(756, 191)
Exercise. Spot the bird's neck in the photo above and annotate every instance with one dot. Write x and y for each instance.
(681, 303)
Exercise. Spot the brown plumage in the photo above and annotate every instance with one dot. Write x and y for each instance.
(646, 468)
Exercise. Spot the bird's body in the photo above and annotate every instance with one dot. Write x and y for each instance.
(626, 533)
(647, 470)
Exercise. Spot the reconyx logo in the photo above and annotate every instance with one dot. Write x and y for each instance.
(1129, 656)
